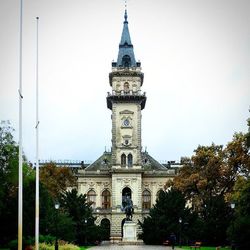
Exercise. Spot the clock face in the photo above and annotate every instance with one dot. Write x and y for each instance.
(126, 122)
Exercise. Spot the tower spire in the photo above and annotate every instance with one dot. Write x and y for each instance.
(126, 56)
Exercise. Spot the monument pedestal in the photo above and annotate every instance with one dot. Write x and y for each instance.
(129, 231)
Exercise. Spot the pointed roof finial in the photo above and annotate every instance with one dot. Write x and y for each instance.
(125, 15)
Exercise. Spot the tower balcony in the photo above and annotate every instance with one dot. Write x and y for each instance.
(127, 93)
(126, 97)
(126, 69)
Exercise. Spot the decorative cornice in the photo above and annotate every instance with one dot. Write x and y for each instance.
(120, 73)
(141, 99)
(126, 170)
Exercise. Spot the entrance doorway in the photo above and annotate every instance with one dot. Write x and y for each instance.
(105, 224)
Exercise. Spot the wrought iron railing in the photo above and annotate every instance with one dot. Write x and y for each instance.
(126, 93)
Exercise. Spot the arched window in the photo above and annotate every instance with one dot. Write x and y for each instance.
(106, 199)
(126, 61)
(146, 199)
(91, 198)
(126, 192)
(123, 160)
(130, 160)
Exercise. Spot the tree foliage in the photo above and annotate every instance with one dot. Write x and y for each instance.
(164, 217)
(80, 211)
(9, 157)
(210, 180)
(216, 218)
(212, 171)
(239, 230)
(56, 179)
(248, 134)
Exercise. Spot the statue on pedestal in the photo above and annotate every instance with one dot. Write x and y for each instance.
(127, 207)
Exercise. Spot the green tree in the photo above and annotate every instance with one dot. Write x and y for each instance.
(216, 217)
(239, 230)
(164, 218)
(9, 157)
(81, 212)
(48, 215)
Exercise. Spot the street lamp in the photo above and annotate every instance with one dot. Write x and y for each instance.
(86, 223)
(233, 207)
(57, 205)
(180, 221)
(186, 229)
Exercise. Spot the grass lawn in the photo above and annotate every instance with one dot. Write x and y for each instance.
(205, 248)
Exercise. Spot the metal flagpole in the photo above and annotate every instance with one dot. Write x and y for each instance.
(20, 167)
(37, 147)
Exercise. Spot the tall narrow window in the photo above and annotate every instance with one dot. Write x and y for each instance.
(126, 87)
(146, 199)
(105, 199)
(91, 198)
(123, 160)
(130, 160)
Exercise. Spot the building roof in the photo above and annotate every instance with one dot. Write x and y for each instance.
(149, 163)
(104, 163)
(126, 57)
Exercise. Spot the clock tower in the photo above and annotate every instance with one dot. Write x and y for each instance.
(126, 170)
(126, 102)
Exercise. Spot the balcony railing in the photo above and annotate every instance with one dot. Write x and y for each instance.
(127, 93)
(115, 68)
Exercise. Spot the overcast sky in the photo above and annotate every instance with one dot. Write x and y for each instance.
(195, 55)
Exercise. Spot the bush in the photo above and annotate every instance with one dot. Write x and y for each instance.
(44, 246)
(47, 239)
(30, 241)
(13, 244)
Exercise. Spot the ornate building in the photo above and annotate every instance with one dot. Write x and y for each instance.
(126, 169)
